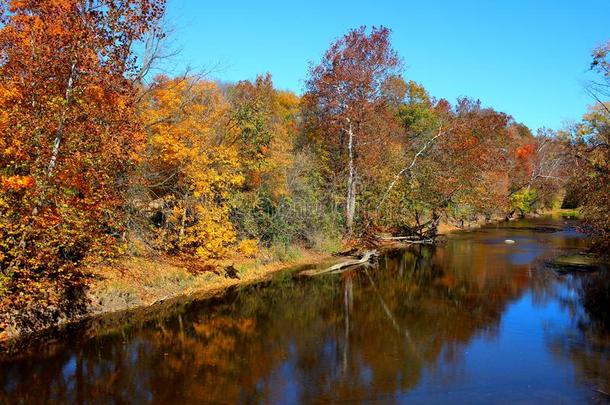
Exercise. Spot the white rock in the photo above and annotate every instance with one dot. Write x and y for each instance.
(509, 241)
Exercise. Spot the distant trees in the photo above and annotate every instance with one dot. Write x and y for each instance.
(547, 161)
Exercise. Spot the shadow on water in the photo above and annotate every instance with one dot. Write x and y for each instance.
(472, 321)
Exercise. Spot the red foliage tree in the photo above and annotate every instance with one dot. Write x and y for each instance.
(347, 107)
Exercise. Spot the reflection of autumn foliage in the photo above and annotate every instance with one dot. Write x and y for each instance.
(367, 334)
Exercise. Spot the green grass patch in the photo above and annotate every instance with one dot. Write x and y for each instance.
(285, 252)
(569, 213)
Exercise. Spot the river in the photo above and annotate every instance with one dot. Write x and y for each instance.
(475, 320)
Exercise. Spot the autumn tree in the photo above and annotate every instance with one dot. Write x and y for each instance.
(453, 163)
(191, 166)
(539, 170)
(266, 120)
(346, 106)
(252, 112)
(592, 178)
(69, 131)
(481, 154)
(591, 149)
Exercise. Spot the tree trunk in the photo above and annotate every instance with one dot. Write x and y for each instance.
(339, 267)
(350, 206)
(183, 222)
(348, 300)
(54, 153)
(60, 130)
(436, 219)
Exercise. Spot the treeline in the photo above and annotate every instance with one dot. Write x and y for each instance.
(589, 142)
(98, 159)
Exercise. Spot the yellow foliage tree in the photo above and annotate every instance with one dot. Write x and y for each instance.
(191, 166)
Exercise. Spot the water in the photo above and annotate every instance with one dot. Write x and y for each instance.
(474, 321)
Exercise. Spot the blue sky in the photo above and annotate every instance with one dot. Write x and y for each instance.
(528, 58)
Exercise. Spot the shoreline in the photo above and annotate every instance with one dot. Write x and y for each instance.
(111, 299)
(141, 285)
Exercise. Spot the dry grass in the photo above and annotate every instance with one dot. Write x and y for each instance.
(139, 282)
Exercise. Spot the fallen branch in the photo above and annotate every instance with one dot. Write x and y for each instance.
(422, 242)
(410, 240)
(413, 237)
(348, 263)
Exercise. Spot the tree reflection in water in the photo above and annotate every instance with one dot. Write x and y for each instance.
(371, 333)
(587, 344)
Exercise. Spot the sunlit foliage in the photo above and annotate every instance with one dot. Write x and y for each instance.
(70, 135)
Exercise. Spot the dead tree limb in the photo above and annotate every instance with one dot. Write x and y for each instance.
(348, 263)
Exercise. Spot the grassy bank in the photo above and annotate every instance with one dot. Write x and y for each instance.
(142, 282)
(145, 281)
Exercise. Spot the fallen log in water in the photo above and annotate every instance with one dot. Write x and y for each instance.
(422, 241)
(366, 257)
(411, 240)
(412, 237)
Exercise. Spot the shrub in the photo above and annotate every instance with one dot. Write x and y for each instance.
(248, 247)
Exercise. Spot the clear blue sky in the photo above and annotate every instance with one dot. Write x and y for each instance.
(528, 58)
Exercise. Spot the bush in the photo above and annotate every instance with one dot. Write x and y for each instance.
(524, 200)
(248, 247)
(301, 215)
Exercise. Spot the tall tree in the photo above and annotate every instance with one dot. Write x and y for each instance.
(69, 128)
(266, 124)
(592, 151)
(345, 96)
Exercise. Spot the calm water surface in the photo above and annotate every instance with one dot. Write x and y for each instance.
(473, 321)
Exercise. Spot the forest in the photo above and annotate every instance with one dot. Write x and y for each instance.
(101, 158)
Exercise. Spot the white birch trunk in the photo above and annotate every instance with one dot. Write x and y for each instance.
(55, 152)
(60, 130)
(350, 206)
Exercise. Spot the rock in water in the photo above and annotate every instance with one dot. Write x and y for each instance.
(509, 241)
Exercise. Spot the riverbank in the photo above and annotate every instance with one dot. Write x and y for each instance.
(139, 283)
(136, 283)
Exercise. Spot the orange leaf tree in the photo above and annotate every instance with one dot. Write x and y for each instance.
(69, 130)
